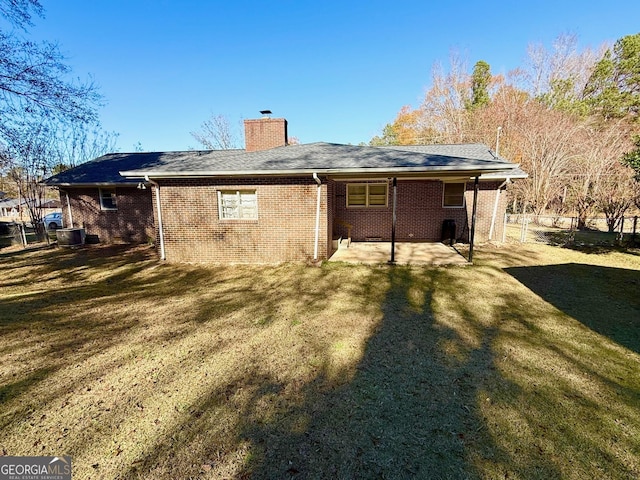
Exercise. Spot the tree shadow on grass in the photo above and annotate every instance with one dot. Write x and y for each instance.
(604, 299)
(404, 413)
(55, 328)
(11, 390)
(413, 406)
(408, 412)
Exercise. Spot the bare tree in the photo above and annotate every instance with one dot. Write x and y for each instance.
(19, 12)
(34, 78)
(36, 99)
(443, 112)
(618, 191)
(27, 162)
(564, 67)
(546, 141)
(40, 149)
(78, 143)
(589, 173)
(216, 133)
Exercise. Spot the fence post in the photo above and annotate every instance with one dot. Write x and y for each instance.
(621, 235)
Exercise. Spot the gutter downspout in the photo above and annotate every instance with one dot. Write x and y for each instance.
(317, 237)
(495, 206)
(161, 233)
(474, 215)
(69, 209)
(393, 222)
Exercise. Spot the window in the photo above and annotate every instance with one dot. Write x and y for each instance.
(366, 195)
(108, 199)
(454, 194)
(237, 204)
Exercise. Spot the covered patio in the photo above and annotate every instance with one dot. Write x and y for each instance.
(406, 253)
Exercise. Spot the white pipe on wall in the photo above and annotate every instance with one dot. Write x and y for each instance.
(161, 232)
(69, 210)
(495, 208)
(317, 238)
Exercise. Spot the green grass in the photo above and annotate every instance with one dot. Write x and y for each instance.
(525, 365)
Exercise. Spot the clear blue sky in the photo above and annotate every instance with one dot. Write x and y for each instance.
(337, 70)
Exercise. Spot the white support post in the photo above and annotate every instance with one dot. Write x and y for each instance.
(317, 230)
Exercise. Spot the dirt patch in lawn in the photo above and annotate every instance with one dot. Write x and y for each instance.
(139, 369)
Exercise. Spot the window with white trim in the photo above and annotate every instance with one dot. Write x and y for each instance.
(108, 199)
(237, 205)
(367, 194)
(454, 194)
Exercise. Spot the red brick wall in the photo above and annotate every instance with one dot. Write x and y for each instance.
(265, 133)
(420, 213)
(131, 222)
(486, 202)
(284, 230)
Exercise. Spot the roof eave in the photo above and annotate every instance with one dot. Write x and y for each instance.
(124, 183)
(512, 176)
(436, 170)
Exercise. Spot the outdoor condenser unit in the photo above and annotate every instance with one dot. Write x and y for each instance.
(70, 237)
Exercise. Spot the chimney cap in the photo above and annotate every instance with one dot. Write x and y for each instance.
(265, 112)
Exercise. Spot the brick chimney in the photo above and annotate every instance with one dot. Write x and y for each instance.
(265, 133)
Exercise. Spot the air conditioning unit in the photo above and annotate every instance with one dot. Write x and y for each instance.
(70, 237)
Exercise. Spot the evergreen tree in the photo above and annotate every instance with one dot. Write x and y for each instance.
(480, 81)
(632, 158)
(613, 90)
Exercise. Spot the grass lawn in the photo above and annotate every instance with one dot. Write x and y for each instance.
(526, 365)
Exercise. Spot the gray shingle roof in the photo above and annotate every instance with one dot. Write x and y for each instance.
(471, 150)
(105, 170)
(327, 158)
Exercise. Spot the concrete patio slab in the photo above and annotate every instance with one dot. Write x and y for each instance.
(406, 253)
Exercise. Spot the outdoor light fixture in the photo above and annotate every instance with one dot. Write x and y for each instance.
(142, 186)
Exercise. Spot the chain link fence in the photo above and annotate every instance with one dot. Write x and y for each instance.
(557, 230)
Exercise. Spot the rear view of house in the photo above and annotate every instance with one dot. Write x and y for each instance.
(274, 202)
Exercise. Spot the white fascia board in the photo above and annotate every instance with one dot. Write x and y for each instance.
(95, 184)
(479, 170)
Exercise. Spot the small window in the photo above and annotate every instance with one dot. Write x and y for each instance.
(367, 195)
(237, 204)
(108, 199)
(454, 194)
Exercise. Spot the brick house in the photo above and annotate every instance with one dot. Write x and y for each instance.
(276, 202)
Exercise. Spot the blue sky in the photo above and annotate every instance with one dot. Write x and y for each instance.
(337, 70)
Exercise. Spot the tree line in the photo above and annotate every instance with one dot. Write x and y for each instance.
(48, 120)
(569, 116)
